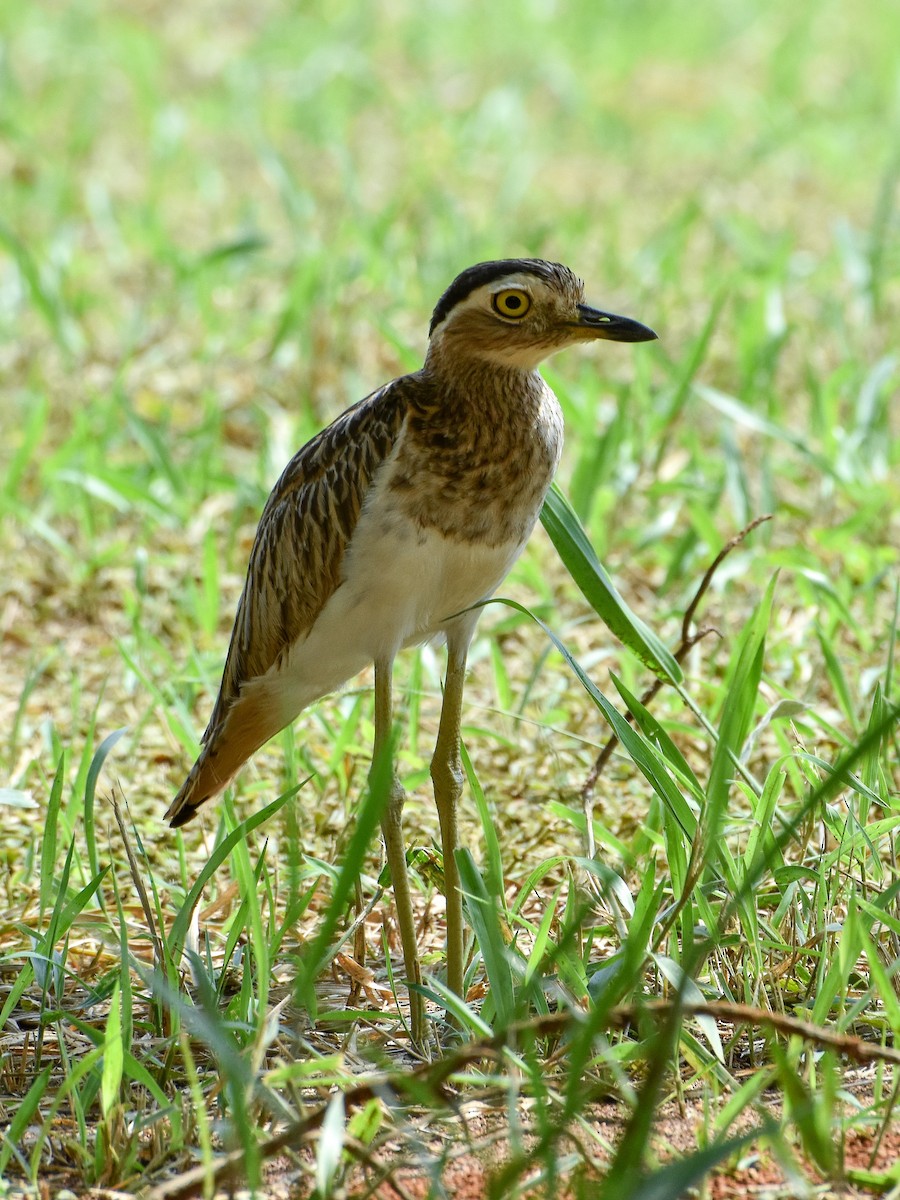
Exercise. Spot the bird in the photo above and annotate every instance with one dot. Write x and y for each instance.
(391, 528)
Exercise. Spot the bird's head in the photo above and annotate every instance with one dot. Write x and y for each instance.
(519, 311)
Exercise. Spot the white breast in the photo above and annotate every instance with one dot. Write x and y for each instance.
(402, 585)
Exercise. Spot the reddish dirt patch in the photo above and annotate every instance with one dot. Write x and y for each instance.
(466, 1154)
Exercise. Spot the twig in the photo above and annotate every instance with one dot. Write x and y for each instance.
(433, 1076)
(688, 642)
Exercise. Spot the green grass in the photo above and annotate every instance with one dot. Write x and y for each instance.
(219, 228)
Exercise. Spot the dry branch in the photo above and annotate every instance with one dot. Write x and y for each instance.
(688, 642)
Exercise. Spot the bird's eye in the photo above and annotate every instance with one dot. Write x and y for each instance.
(511, 302)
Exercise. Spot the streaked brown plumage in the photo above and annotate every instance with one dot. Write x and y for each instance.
(290, 577)
(388, 526)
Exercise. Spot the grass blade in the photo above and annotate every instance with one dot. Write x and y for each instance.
(485, 915)
(573, 546)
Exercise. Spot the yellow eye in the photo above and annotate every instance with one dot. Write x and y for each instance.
(511, 302)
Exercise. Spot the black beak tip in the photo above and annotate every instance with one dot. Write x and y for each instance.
(643, 333)
(614, 328)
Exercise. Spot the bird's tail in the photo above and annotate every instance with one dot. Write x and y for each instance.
(248, 724)
(203, 782)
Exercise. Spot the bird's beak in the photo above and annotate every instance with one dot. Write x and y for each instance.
(614, 329)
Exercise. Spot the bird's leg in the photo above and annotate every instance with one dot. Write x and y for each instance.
(447, 776)
(392, 829)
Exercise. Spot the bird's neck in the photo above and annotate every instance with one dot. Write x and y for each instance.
(459, 383)
(480, 446)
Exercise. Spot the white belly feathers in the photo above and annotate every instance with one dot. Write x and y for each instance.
(401, 586)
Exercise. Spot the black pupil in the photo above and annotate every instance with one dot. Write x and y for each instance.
(513, 302)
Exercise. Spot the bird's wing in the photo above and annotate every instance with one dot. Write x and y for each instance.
(295, 566)
(295, 563)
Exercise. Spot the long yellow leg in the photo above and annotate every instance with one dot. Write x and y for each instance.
(447, 776)
(392, 829)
